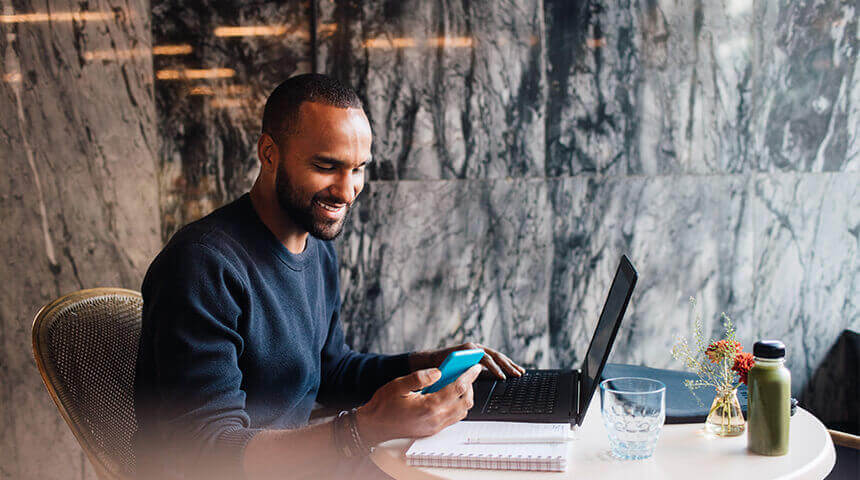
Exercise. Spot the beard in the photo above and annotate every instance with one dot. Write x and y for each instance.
(301, 209)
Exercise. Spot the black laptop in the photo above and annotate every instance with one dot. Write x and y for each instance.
(558, 396)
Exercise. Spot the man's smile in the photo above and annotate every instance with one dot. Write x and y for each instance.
(331, 210)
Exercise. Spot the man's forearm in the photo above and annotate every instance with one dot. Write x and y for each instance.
(302, 453)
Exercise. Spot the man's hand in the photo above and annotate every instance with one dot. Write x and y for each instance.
(496, 362)
(398, 410)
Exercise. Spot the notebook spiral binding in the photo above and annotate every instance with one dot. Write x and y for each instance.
(488, 462)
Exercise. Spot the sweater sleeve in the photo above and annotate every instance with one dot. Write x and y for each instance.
(193, 409)
(350, 378)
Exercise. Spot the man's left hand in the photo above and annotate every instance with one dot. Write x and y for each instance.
(496, 362)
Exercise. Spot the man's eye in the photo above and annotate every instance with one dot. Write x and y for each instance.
(325, 168)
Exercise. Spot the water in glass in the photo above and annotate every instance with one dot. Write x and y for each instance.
(634, 410)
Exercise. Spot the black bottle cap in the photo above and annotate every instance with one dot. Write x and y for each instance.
(769, 349)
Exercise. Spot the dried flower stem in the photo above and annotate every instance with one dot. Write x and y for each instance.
(716, 375)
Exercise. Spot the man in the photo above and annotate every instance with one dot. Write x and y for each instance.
(241, 332)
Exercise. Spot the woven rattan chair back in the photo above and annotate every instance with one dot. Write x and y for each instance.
(85, 345)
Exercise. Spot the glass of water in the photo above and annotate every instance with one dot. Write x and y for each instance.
(634, 410)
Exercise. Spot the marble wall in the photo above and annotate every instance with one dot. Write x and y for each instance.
(523, 146)
(520, 148)
(79, 200)
(727, 133)
(708, 141)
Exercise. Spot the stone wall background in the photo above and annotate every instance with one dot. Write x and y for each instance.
(520, 148)
(79, 197)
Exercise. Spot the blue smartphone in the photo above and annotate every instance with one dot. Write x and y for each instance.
(454, 365)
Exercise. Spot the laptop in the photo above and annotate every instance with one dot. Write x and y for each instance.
(558, 396)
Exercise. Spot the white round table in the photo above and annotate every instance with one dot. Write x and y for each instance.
(683, 452)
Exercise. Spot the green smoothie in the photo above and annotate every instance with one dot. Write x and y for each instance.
(769, 409)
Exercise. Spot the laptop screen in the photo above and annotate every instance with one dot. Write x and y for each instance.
(604, 334)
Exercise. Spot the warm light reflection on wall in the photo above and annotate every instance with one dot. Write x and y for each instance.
(115, 54)
(326, 28)
(194, 74)
(13, 77)
(451, 42)
(57, 17)
(388, 43)
(201, 90)
(225, 90)
(251, 31)
(407, 42)
(171, 49)
(595, 42)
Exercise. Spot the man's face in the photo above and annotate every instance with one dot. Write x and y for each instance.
(321, 168)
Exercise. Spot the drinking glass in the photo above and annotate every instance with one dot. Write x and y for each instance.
(634, 410)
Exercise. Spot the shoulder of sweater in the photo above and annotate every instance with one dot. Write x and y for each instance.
(326, 249)
(210, 236)
(327, 254)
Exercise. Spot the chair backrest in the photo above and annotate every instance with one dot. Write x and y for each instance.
(85, 344)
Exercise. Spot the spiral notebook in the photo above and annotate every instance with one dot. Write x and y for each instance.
(451, 448)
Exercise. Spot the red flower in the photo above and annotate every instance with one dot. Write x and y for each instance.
(743, 362)
(722, 350)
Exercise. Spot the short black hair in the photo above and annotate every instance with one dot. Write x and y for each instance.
(281, 115)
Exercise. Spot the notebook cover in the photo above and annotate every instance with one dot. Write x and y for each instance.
(681, 405)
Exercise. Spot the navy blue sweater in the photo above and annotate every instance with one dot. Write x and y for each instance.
(238, 335)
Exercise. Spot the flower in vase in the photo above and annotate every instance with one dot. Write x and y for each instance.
(723, 350)
(743, 362)
(721, 365)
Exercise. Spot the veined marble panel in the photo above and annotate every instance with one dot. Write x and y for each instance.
(698, 69)
(651, 88)
(595, 77)
(806, 86)
(228, 57)
(427, 264)
(78, 197)
(668, 87)
(807, 264)
(452, 90)
(686, 236)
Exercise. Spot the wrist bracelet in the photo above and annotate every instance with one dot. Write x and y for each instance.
(345, 434)
(360, 447)
(338, 430)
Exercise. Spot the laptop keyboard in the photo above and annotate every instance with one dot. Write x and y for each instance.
(533, 392)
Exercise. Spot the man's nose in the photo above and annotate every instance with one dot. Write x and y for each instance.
(343, 189)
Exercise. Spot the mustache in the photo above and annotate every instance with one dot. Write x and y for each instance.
(331, 200)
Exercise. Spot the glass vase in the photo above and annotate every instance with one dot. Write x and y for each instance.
(725, 418)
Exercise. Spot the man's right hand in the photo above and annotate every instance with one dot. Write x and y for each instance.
(398, 410)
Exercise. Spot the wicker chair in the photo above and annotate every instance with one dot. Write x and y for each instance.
(85, 344)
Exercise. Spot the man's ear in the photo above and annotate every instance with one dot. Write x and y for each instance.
(267, 153)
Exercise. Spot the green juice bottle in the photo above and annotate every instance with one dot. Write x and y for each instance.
(769, 402)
